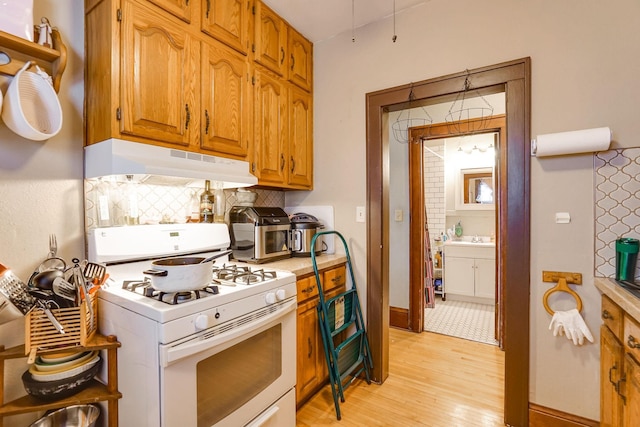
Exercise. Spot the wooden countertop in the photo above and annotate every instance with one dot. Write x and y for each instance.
(621, 296)
(303, 266)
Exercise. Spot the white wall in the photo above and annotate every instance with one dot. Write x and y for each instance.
(41, 182)
(583, 75)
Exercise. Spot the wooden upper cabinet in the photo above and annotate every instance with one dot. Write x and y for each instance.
(159, 78)
(227, 21)
(179, 8)
(270, 128)
(300, 171)
(226, 101)
(300, 60)
(270, 39)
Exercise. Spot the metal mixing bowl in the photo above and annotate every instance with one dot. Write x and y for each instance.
(71, 416)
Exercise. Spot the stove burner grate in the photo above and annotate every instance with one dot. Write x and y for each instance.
(146, 289)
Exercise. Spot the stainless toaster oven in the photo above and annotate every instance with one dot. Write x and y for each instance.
(259, 234)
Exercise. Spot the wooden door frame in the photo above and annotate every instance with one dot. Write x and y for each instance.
(513, 247)
(417, 249)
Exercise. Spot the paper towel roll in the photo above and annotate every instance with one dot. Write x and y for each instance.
(579, 141)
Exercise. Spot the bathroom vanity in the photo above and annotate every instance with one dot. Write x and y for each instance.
(470, 271)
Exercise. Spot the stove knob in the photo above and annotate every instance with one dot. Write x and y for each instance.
(280, 294)
(202, 322)
(270, 298)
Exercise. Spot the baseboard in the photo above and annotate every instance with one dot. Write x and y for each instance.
(540, 416)
(399, 317)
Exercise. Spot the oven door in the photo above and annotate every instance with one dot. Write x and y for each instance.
(233, 373)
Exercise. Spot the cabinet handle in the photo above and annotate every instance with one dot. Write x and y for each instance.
(253, 166)
(337, 279)
(632, 343)
(310, 347)
(606, 315)
(206, 122)
(186, 123)
(293, 164)
(281, 162)
(282, 56)
(208, 7)
(618, 388)
(615, 384)
(293, 61)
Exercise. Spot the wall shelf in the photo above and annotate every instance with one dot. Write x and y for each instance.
(19, 50)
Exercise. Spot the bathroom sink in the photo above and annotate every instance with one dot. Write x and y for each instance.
(482, 241)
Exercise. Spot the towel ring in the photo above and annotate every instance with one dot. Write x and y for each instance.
(561, 287)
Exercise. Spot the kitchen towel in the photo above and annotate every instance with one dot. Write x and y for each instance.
(579, 141)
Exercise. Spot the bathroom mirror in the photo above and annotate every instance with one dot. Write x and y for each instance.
(475, 189)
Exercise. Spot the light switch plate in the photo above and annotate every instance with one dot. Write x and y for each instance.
(360, 213)
(398, 215)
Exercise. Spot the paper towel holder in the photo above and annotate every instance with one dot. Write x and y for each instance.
(601, 143)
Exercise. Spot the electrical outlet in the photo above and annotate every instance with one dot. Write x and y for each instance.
(398, 215)
(360, 213)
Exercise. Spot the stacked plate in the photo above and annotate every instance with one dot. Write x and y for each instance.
(58, 375)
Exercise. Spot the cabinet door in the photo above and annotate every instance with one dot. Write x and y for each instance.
(270, 127)
(300, 60)
(310, 352)
(459, 275)
(179, 8)
(226, 101)
(485, 278)
(300, 172)
(611, 366)
(227, 21)
(632, 392)
(159, 78)
(270, 39)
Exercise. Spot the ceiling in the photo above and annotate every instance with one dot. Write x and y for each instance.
(319, 20)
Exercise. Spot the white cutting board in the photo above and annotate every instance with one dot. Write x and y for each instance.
(324, 215)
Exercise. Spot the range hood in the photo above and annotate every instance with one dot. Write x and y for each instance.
(159, 165)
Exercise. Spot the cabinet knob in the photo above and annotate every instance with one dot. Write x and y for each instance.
(632, 343)
(606, 315)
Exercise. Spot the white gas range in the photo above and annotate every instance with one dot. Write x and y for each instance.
(177, 349)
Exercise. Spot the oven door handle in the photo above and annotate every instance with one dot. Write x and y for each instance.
(169, 355)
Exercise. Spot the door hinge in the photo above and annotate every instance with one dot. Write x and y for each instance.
(118, 114)
(119, 15)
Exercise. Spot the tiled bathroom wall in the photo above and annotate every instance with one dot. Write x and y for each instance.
(434, 188)
(161, 203)
(617, 204)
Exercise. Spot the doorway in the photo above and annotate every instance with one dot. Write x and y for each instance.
(513, 248)
(457, 200)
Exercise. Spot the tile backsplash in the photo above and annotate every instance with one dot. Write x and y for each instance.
(161, 203)
(617, 204)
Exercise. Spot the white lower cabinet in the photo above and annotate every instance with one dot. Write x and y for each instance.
(470, 271)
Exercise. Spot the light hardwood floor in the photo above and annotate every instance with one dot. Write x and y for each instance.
(434, 380)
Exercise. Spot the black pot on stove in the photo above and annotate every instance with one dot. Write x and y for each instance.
(303, 228)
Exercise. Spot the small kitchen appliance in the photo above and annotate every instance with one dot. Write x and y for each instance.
(303, 228)
(223, 354)
(259, 234)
